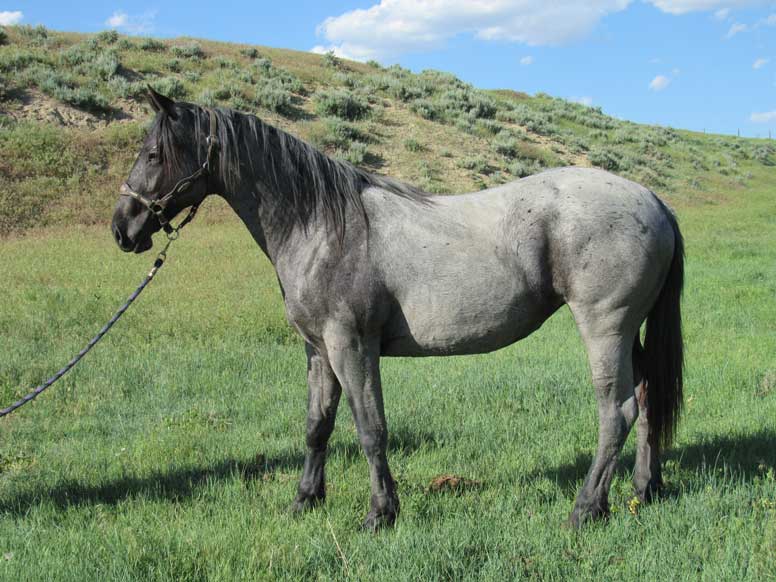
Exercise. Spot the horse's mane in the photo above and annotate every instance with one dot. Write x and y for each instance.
(305, 179)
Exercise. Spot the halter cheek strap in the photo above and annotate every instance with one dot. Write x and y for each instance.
(159, 206)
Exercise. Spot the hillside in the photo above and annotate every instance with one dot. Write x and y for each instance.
(72, 113)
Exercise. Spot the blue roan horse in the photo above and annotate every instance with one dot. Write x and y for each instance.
(371, 267)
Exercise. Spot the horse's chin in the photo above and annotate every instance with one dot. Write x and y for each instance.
(143, 245)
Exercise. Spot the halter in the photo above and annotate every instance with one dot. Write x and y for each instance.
(158, 207)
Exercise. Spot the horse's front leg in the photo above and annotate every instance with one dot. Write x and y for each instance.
(323, 397)
(356, 362)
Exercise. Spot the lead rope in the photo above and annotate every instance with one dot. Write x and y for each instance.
(161, 257)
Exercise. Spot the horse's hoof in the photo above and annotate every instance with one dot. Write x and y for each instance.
(304, 503)
(583, 516)
(374, 522)
(651, 491)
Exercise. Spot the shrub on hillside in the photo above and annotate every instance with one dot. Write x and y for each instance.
(120, 87)
(107, 36)
(35, 35)
(331, 60)
(191, 50)
(336, 133)
(342, 104)
(274, 96)
(103, 67)
(250, 52)
(523, 168)
(152, 45)
(413, 145)
(171, 87)
(477, 164)
(609, 159)
(287, 80)
(355, 154)
(3, 36)
(15, 59)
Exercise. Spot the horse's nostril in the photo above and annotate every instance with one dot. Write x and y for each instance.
(117, 235)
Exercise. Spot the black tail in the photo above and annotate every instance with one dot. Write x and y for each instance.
(664, 349)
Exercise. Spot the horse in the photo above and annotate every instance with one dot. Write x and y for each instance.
(372, 267)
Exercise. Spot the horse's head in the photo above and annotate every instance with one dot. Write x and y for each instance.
(171, 173)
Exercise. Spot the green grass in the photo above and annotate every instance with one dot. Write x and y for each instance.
(173, 451)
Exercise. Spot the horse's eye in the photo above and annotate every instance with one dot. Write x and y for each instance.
(153, 156)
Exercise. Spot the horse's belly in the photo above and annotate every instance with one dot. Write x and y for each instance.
(457, 327)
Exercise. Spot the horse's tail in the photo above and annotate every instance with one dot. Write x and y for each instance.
(664, 359)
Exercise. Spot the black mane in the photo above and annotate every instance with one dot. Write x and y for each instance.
(306, 180)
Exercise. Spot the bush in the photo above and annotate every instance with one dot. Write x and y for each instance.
(274, 96)
(174, 65)
(224, 63)
(207, 98)
(171, 87)
(191, 50)
(355, 154)
(107, 36)
(125, 44)
(336, 133)
(250, 52)
(3, 36)
(37, 35)
(342, 104)
(609, 159)
(287, 80)
(523, 168)
(477, 164)
(18, 59)
(152, 45)
(84, 98)
(330, 60)
(77, 54)
(104, 66)
(374, 64)
(506, 145)
(120, 87)
(413, 145)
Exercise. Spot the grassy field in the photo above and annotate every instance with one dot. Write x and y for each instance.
(173, 451)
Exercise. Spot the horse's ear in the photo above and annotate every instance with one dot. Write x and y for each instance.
(161, 103)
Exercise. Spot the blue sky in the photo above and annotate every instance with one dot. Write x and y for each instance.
(695, 64)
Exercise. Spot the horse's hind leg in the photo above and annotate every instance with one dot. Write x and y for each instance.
(609, 353)
(647, 478)
(323, 397)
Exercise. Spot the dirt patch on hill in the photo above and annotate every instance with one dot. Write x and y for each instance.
(32, 105)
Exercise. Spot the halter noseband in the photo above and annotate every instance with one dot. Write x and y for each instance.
(158, 207)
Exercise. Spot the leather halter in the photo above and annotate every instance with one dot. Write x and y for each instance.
(158, 207)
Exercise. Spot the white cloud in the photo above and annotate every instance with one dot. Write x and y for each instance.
(765, 117)
(582, 100)
(132, 23)
(659, 83)
(117, 20)
(760, 63)
(7, 17)
(676, 71)
(722, 7)
(769, 20)
(392, 27)
(735, 29)
(528, 60)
